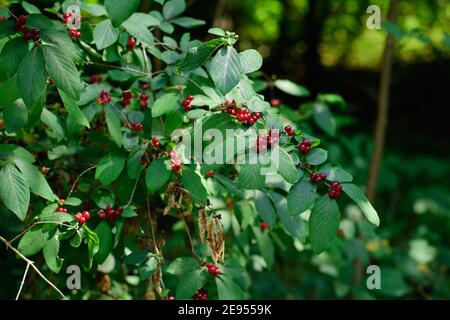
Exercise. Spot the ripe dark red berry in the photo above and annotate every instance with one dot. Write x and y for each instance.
(213, 269)
(175, 160)
(3, 18)
(86, 215)
(138, 127)
(201, 294)
(95, 79)
(104, 98)
(335, 190)
(317, 178)
(66, 17)
(289, 131)
(131, 43)
(144, 100)
(169, 298)
(155, 142)
(146, 86)
(263, 225)
(211, 173)
(61, 210)
(187, 103)
(101, 214)
(74, 33)
(305, 146)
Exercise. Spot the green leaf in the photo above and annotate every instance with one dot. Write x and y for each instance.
(33, 241)
(109, 168)
(30, 8)
(188, 22)
(13, 152)
(14, 190)
(182, 265)
(119, 11)
(251, 60)
(32, 77)
(35, 180)
(324, 119)
(336, 173)
(105, 34)
(157, 175)
(323, 224)
(217, 32)
(228, 289)
(250, 177)
(114, 125)
(193, 184)
(72, 201)
(197, 56)
(189, 283)
(196, 114)
(265, 246)
(137, 25)
(93, 244)
(105, 237)
(165, 104)
(74, 111)
(134, 165)
(230, 185)
(225, 69)
(265, 208)
(173, 8)
(317, 156)
(301, 196)
(357, 195)
(51, 251)
(287, 167)
(11, 56)
(15, 115)
(63, 71)
(9, 91)
(136, 257)
(293, 224)
(291, 88)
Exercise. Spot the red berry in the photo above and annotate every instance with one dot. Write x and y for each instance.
(146, 86)
(155, 142)
(3, 18)
(138, 127)
(82, 220)
(96, 79)
(101, 214)
(211, 173)
(78, 216)
(275, 102)
(263, 225)
(190, 97)
(127, 95)
(61, 210)
(169, 298)
(131, 43)
(86, 215)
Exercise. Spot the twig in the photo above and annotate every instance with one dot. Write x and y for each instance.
(134, 190)
(35, 224)
(31, 263)
(109, 66)
(191, 243)
(78, 178)
(9, 11)
(150, 220)
(23, 280)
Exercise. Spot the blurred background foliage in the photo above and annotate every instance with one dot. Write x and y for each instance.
(326, 46)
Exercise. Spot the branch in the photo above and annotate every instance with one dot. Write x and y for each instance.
(31, 263)
(23, 280)
(383, 108)
(78, 178)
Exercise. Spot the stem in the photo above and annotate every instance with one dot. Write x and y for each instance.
(191, 243)
(78, 178)
(23, 280)
(134, 190)
(383, 108)
(31, 263)
(35, 224)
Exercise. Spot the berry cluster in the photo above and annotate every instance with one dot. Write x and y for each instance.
(110, 213)
(126, 98)
(289, 131)
(176, 162)
(66, 17)
(317, 177)
(131, 43)
(265, 141)
(74, 33)
(144, 100)
(187, 103)
(61, 210)
(28, 34)
(96, 79)
(263, 226)
(3, 18)
(201, 294)
(213, 269)
(155, 142)
(335, 190)
(104, 98)
(242, 115)
(305, 146)
(169, 298)
(137, 126)
(82, 217)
